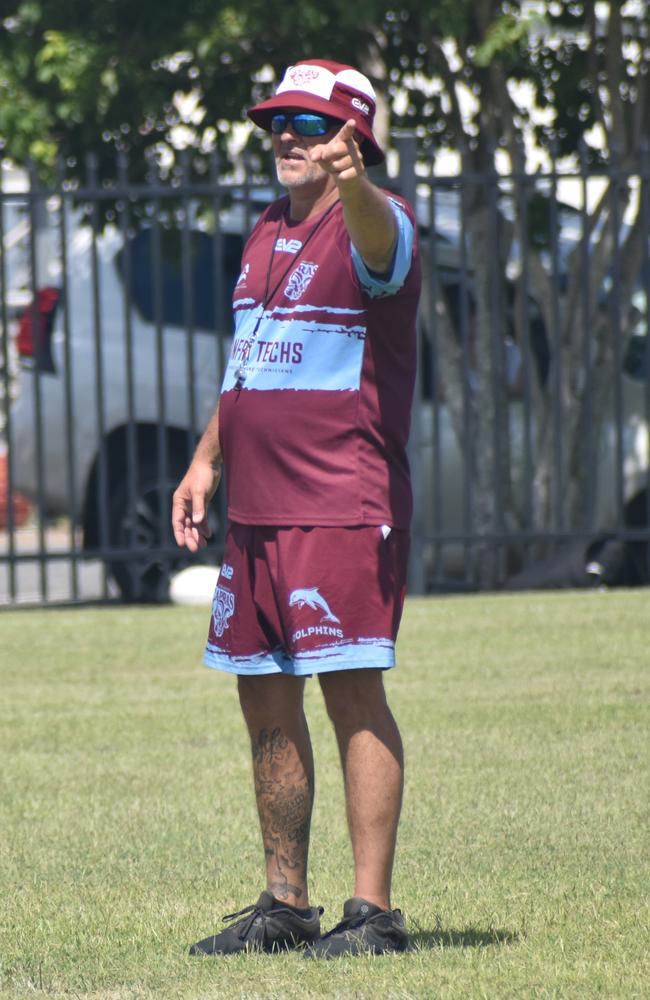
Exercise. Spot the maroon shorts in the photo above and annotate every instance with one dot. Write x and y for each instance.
(306, 600)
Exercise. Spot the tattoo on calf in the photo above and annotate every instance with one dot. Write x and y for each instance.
(268, 747)
(284, 793)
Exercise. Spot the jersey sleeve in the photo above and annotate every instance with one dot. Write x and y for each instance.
(388, 284)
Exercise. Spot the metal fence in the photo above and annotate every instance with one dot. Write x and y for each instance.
(529, 448)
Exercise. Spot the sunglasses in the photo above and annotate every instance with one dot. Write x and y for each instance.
(301, 123)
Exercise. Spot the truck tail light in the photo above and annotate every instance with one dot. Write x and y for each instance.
(35, 324)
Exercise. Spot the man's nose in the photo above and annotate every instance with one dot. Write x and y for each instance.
(289, 131)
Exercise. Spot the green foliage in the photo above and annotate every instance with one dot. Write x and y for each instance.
(503, 38)
(78, 77)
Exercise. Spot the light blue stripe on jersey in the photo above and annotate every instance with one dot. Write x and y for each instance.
(375, 286)
(297, 353)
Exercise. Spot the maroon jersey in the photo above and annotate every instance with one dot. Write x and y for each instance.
(316, 399)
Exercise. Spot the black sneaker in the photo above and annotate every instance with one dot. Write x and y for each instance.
(269, 925)
(365, 930)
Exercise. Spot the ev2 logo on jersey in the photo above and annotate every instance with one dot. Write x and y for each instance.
(283, 245)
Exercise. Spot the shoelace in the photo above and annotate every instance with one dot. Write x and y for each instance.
(354, 920)
(254, 911)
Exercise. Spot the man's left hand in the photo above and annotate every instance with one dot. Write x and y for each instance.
(341, 156)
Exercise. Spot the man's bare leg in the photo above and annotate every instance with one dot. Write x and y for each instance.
(283, 769)
(372, 759)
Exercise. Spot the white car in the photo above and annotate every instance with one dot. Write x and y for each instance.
(120, 373)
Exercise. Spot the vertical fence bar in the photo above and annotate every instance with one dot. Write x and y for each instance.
(132, 477)
(436, 386)
(221, 302)
(6, 380)
(36, 205)
(645, 235)
(615, 313)
(101, 500)
(163, 469)
(495, 304)
(188, 304)
(557, 364)
(416, 571)
(589, 450)
(222, 311)
(525, 346)
(68, 377)
(467, 330)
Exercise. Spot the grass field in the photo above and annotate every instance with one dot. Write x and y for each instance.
(128, 826)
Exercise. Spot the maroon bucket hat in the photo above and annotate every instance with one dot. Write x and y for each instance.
(326, 88)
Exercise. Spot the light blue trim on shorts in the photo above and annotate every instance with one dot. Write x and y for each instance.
(257, 663)
(377, 654)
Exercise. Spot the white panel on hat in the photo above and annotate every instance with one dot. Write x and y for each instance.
(315, 80)
(352, 78)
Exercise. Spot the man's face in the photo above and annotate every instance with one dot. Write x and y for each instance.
(292, 162)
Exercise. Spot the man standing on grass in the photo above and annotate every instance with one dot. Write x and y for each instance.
(312, 427)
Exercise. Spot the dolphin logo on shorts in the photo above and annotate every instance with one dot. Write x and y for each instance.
(310, 596)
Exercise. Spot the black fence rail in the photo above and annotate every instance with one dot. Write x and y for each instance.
(530, 443)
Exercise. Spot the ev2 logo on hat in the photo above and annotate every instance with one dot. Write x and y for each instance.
(360, 105)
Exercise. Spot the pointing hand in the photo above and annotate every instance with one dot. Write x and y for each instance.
(341, 156)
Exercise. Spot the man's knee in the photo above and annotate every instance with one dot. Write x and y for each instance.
(270, 696)
(354, 696)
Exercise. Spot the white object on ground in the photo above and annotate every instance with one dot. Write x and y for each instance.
(194, 585)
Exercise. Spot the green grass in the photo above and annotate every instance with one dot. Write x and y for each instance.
(128, 826)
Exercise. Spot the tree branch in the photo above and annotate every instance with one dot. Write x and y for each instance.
(613, 57)
(449, 80)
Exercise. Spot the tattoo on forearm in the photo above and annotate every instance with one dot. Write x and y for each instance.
(284, 792)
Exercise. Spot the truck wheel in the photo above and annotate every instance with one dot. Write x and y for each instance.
(637, 513)
(142, 524)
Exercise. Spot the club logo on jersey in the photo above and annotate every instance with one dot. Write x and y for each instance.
(300, 279)
(310, 597)
(283, 245)
(223, 608)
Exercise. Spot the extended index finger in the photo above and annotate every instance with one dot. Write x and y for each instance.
(346, 132)
(333, 149)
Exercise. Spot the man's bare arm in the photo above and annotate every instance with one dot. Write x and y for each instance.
(196, 489)
(367, 212)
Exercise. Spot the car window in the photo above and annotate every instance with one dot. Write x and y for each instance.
(208, 291)
(635, 362)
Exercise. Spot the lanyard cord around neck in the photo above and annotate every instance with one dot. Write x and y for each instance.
(241, 373)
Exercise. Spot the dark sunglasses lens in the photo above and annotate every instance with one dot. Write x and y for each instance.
(311, 124)
(303, 124)
(278, 124)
